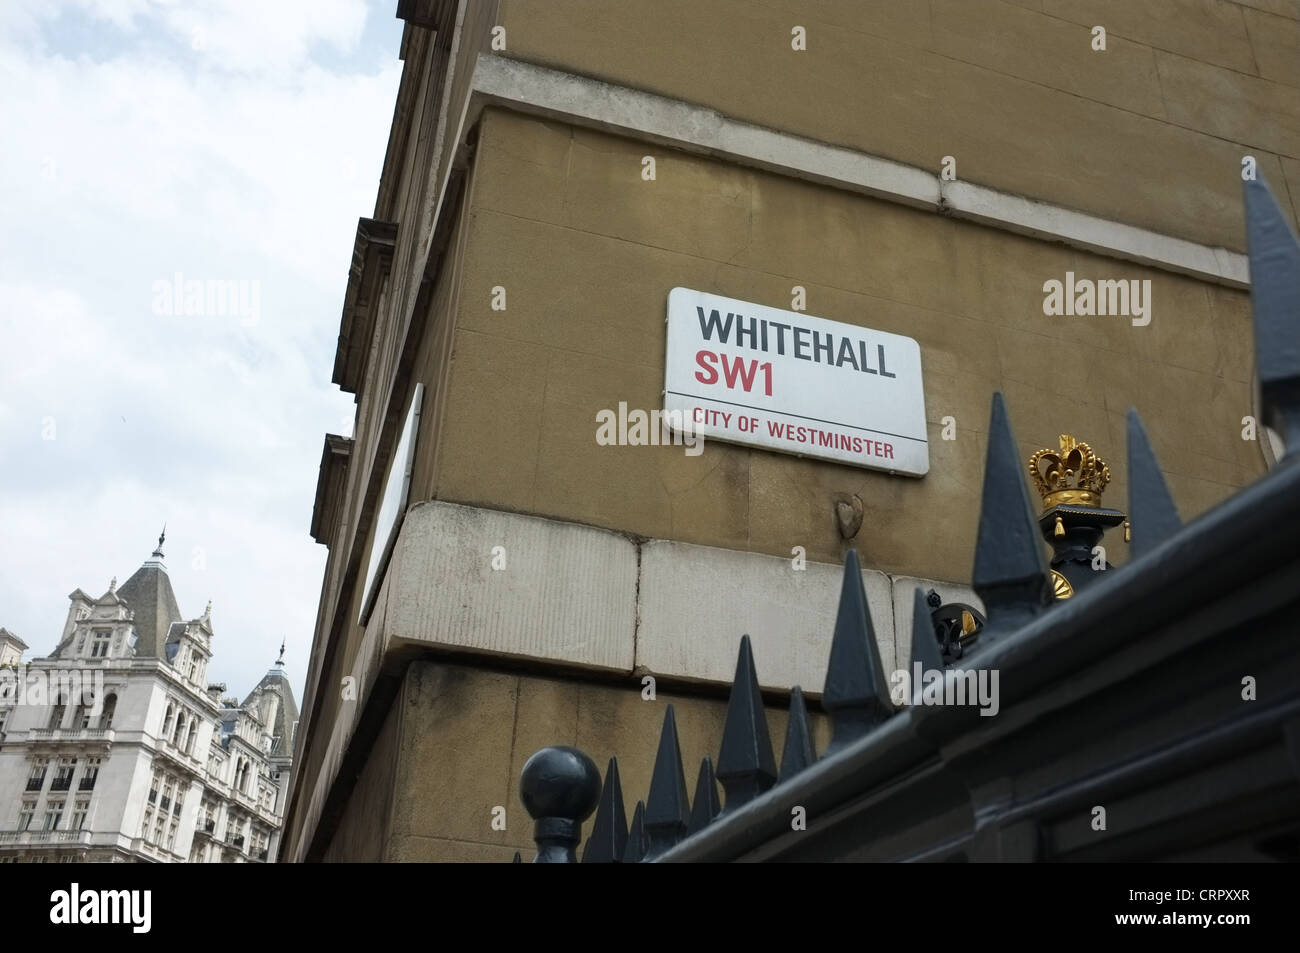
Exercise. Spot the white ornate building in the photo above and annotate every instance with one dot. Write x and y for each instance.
(115, 748)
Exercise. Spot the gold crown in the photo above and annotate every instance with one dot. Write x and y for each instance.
(1074, 475)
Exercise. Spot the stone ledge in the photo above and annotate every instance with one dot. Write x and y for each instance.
(567, 592)
(697, 601)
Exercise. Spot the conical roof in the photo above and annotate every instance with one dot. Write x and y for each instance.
(148, 594)
(286, 712)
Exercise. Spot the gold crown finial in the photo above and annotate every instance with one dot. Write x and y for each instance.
(1073, 475)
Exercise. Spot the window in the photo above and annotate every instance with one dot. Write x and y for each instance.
(147, 826)
(79, 813)
(106, 716)
(158, 826)
(167, 722)
(82, 720)
(25, 815)
(89, 775)
(153, 789)
(63, 774)
(53, 813)
(36, 780)
(99, 647)
(171, 835)
(56, 716)
(194, 730)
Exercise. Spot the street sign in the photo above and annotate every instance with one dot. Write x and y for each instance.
(790, 382)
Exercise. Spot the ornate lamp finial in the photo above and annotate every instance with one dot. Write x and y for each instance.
(1071, 481)
(1074, 475)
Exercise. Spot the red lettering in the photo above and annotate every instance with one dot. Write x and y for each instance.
(889, 450)
(707, 374)
(737, 370)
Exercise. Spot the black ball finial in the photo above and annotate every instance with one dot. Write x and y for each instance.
(559, 787)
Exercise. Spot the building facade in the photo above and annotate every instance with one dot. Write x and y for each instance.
(115, 747)
(957, 173)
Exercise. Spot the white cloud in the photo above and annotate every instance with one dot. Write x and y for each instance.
(134, 159)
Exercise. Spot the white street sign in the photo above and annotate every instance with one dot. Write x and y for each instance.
(789, 382)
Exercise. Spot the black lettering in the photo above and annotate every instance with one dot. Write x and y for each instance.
(862, 353)
(780, 336)
(714, 323)
(741, 331)
(846, 354)
(880, 349)
(819, 346)
(801, 345)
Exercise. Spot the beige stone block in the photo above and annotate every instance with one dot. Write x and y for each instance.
(694, 205)
(581, 479)
(1233, 332)
(696, 602)
(1275, 41)
(906, 23)
(1061, 148)
(1281, 8)
(558, 283)
(903, 594)
(415, 849)
(546, 714)
(1181, 332)
(1194, 496)
(458, 724)
(567, 592)
(521, 165)
(1234, 106)
(490, 436)
(1039, 416)
(1048, 50)
(1212, 32)
(618, 722)
(1291, 179)
(792, 503)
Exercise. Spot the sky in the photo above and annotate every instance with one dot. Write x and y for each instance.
(225, 148)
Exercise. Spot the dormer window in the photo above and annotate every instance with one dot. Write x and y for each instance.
(99, 646)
